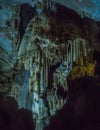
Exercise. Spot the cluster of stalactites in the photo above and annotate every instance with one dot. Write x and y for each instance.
(69, 53)
(38, 53)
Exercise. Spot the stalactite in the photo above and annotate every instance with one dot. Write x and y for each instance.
(79, 50)
(44, 70)
(77, 40)
(41, 73)
(67, 56)
(46, 73)
(71, 52)
(30, 85)
(74, 50)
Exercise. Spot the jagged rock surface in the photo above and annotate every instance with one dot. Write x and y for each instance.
(48, 45)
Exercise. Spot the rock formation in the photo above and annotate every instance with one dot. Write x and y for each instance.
(41, 46)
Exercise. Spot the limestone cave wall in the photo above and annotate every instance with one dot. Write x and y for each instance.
(39, 47)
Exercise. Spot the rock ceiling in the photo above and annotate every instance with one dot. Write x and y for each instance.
(89, 8)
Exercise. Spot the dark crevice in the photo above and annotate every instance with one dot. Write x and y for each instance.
(51, 72)
(26, 14)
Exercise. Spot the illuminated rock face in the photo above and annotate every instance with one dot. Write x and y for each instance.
(36, 64)
(49, 63)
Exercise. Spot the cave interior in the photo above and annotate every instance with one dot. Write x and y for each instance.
(49, 65)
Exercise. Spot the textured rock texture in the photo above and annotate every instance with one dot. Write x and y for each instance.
(87, 8)
(39, 45)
